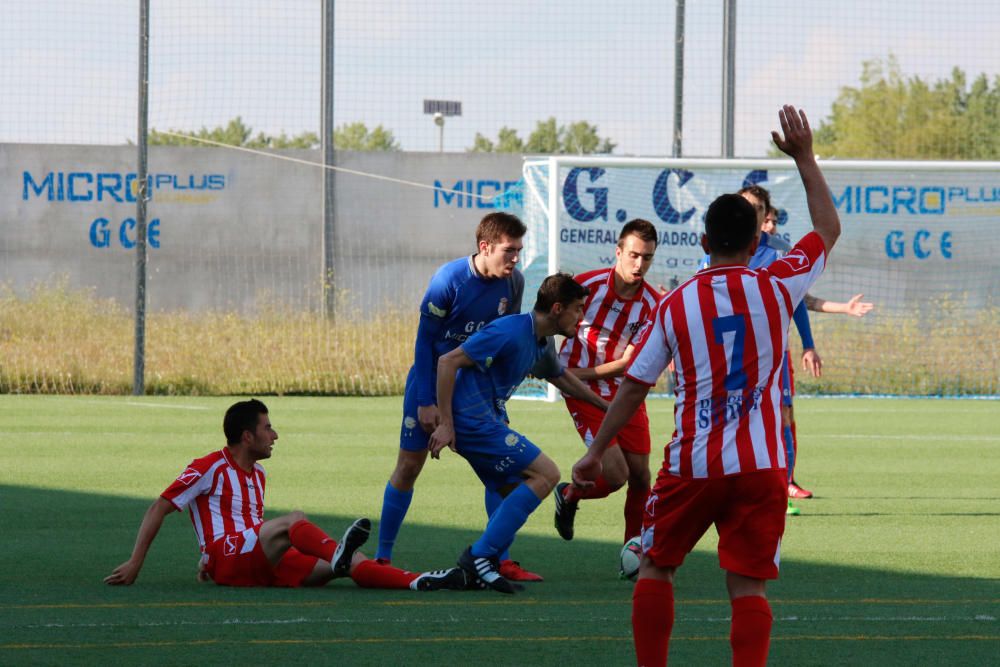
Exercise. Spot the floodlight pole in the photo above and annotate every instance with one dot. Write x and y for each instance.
(139, 358)
(678, 79)
(728, 77)
(329, 175)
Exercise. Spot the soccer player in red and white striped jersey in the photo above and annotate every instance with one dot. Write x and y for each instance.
(224, 493)
(619, 302)
(726, 330)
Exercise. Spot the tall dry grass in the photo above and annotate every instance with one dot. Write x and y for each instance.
(54, 339)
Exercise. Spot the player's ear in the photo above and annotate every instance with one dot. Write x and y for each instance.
(704, 244)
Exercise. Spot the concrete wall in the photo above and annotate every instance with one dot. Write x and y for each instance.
(230, 230)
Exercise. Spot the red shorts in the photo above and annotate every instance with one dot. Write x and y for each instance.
(748, 512)
(634, 436)
(237, 559)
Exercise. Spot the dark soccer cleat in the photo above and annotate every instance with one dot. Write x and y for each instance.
(452, 579)
(485, 570)
(354, 537)
(565, 513)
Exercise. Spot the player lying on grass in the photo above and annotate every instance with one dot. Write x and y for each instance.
(474, 382)
(224, 493)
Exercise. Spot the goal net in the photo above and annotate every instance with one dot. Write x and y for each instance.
(917, 241)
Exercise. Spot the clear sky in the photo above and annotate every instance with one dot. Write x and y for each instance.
(69, 71)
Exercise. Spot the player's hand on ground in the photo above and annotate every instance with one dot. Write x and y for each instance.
(123, 575)
(443, 436)
(795, 138)
(812, 363)
(428, 417)
(858, 308)
(586, 470)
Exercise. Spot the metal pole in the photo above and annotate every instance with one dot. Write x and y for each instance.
(139, 362)
(441, 136)
(326, 142)
(678, 78)
(728, 77)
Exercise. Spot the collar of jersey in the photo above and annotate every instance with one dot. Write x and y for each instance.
(611, 286)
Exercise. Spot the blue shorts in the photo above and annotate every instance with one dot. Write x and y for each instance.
(496, 452)
(412, 437)
(787, 388)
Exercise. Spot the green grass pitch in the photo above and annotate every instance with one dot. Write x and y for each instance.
(897, 560)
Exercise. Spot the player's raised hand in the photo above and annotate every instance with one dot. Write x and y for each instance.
(795, 138)
(858, 308)
(443, 436)
(123, 575)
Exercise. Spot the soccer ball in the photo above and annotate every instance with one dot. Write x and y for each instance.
(631, 555)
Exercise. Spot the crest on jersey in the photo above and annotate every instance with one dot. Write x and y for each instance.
(188, 476)
(502, 307)
(489, 362)
(642, 330)
(511, 439)
(798, 258)
(231, 545)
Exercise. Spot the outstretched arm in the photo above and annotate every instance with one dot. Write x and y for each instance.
(797, 144)
(855, 307)
(628, 399)
(609, 369)
(571, 384)
(126, 573)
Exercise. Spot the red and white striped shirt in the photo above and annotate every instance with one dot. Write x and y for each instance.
(726, 330)
(220, 496)
(610, 324)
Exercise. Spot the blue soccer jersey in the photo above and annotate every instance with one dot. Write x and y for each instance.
(458, 302)
(504, 352)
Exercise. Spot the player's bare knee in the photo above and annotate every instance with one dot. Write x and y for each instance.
(408, 467)
(544, 475)
(295, 516)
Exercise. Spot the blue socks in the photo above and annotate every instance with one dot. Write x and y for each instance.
(394, 506)
(506, 521)
(786, 433)
(492, 499)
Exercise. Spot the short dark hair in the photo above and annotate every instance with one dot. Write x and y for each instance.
(242, 416)
(494, 226)
(558, 288)
(759, 193)
(644, 229)
(730, 224)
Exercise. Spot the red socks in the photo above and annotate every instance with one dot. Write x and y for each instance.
(635, 503)
(750, 635)
(311, 540)
(652, 621)
(600, 489)
(369, 574)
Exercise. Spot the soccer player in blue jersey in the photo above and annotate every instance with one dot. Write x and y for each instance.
(464, 295)
(473, 384)
(771, 248)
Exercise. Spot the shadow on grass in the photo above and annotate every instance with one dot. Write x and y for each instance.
(54, 608)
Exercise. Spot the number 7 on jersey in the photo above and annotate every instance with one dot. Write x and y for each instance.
(736, 379)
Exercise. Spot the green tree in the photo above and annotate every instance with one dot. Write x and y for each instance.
(892, 116)
(356, 137)
(507, 142)
(579, 138)
(234, 133)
